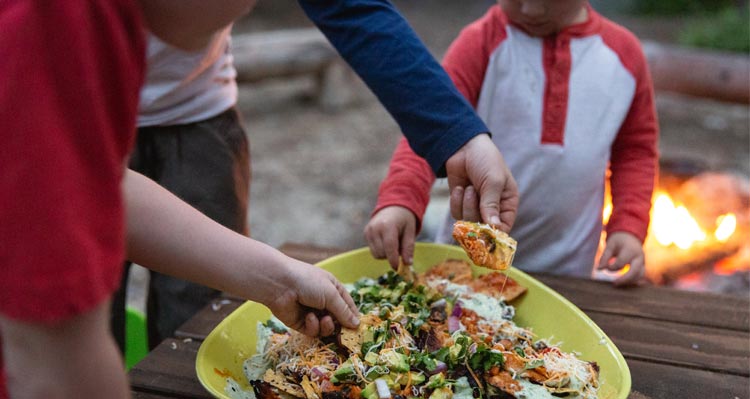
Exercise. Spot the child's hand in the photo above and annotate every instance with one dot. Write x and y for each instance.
(622, 249)
(313, 300)
(391, 233)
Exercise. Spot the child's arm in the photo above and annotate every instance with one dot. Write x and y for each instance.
(170, 237)
(439, 123)
(633, 163)
(72, 358)
(466, 64)
(402, 200)
(190, 24)
(381, 47)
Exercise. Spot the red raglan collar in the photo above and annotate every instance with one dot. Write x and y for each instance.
(591, 26)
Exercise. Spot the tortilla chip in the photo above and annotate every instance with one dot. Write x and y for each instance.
(498, 285)
(504, 381)
(455, 270)
(351, 339)
(281, 383)
(264, 390)
(485, 245)
(309, 389)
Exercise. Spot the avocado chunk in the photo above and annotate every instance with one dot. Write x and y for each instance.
(344, 372)
(395, 361)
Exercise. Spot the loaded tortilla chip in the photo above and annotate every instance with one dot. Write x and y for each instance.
(485, 245)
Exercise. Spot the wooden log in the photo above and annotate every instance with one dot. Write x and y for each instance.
(297, 52)
(700, 73)
(283, 53)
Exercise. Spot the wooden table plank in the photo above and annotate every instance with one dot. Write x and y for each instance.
(200, 325)
(659, 303)
(685, 345)
(170, 370)
(659, 381)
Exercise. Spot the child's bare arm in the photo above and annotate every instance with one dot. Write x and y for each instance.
(169, 236)
(623, 249)
(49, 360)
(190, 24)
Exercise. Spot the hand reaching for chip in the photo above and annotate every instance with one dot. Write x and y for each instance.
(486, 246)
(312, 301)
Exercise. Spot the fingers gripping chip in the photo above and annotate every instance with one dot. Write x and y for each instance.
(485, 245)
(352, 339)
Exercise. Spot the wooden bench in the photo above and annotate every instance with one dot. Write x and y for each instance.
(699, 73)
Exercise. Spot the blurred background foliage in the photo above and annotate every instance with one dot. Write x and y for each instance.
(727, 29)
(714, 24)
(680, 7)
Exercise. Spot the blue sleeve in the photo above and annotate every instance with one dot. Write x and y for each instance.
(381, 47)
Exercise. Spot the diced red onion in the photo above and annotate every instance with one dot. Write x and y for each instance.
(456, 309)
(453, 324)
(318, 372)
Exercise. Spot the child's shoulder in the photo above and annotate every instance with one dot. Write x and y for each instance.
(623, 42)
(618, 35)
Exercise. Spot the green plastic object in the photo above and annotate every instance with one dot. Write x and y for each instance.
(136, 337)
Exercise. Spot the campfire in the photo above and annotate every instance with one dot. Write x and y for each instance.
(700, 228)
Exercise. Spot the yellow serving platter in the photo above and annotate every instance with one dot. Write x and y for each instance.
(547, 313)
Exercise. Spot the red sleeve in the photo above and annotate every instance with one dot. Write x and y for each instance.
(71, 73)
(410, 178)
(407, 183)
(634, 159)
(468, 56)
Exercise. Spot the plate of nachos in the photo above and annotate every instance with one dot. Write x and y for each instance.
(456, 331)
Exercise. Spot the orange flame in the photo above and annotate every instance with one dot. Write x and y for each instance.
(674, 228)
(672, 224)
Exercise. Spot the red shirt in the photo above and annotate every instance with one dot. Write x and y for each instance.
(71, 73)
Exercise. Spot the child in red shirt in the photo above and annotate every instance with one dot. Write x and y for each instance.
(567, 94)
(72, 72)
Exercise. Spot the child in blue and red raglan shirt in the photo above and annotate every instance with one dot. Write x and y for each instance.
(567, 94)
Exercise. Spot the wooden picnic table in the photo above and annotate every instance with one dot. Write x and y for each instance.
(678, 344)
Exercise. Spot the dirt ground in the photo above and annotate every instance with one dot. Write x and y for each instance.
(316, 173)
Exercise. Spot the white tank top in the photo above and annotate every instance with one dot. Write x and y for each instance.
(187, 86)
